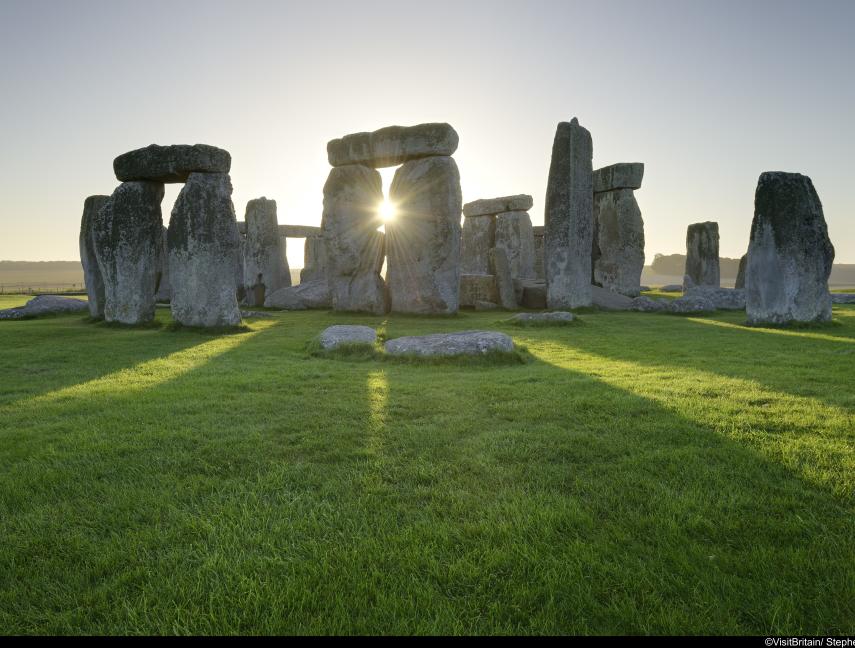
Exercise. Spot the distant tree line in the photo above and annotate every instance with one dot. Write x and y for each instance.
(675, 265)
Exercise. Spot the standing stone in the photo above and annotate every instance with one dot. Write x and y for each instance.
(539, 271)
(789, 254)
(88, 259)
(240, 289)
(702, 254)
(128, 240)
(265, 266)
(479, 237)
(354, 247)
(314, 260)
(501, 268)
(164, 288)
(514, 234)
(569, 218)
(204, 246)
(740, 275)
(619, 242)
(423, 242)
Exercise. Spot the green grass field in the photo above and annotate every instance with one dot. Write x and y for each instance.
(642, 473)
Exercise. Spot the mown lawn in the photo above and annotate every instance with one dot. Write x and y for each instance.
(643, 473)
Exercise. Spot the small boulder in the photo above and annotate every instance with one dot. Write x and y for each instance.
(44, 305)
(690, 305)
(555, 317)
(672, 288)
(309, 295)
(610, 300)
(451, 344)
(645, 304)
(341, 334)
(721, 298)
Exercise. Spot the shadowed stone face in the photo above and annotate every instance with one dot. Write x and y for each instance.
(204, 245)
(569, 218)
(171, 163)
(88, 258)
(314, 260)
(740, 275)
(423, 242)
(619, 243)
(164, 288)
(514, 234)
(702, 265)
(479, 237)
(128, 240)
(354, 247)
(789, 255)
(265, 267)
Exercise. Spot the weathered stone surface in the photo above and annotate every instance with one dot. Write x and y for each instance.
(740, 274)
(423, 242)
(171, 163)
(299, 231)
(393, 145)
(355, 248)
(843, 298)
(45, 305)
(702, 254)
(204, 245)
(128, 241)
(609, 300)
(501, 269)
(265, 266)
(721, 298)
(672, 288)
(478, 287)
(789, 254)
(451, 344)
(308, 295)
(534, 296)
(569, 218)
(240, 292)
(493, 206)
(164, 287)
(687, 305)
(479, 237)
(91, 272)
(341, 334)
(624, 175)
(485, 306)
(556, 317)
(314, 260)
(515, 235)
(645, 304)
(619, 242)
(539, 271)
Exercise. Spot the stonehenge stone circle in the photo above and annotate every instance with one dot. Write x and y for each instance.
(702, 265)
(493, 206)
(569, 218)
(515, 235)
(265, 266)
(789, 254)
(128, 242)
(740, 274)
(479, 237)
(498, 222)
(355, 248)
(393, 145)
(88, 259)
(171, 163)
(44, 305)
(204, 244)
(423, 242)
(618, 246)
(451, 344)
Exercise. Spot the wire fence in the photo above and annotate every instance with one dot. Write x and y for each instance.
(41, 288)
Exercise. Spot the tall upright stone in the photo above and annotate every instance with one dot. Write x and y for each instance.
(479, 237)
(569, 218)
(740, 274)
(128, 240)
(620, 242)
(354, 247)
(314, 260)
(204, 245)
(515, 235)
(423, 242)
(702, 264)
(539, 271)
(88, 259)
(265, 266)
(789, 254)
(164, 287)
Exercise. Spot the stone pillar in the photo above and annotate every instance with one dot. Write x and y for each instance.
(702, 266)
(164, 288)
(265, 266)
(539, 272)
(88, 259)
(515, 235)
(740, 274)
(128, 239)
(354, 247)
(314, 260)
(204, 246)
(479, 237)
(569, 218)
(789, 254)
(423, 242)
(618, 246)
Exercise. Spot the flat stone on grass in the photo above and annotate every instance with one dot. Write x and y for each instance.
(554, 318)
(451, 344)
(346, 334)
(45, 305)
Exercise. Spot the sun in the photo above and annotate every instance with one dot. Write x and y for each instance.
(387, 211)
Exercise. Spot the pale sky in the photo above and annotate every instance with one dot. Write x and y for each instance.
(707, 94)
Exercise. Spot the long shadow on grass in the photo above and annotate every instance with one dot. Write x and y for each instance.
(263, 491)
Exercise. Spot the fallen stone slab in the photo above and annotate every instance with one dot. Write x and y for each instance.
(672, 288)
(644, 304)
(843, 298)
(624, 175)
(171, 163)
(307, 295)
(609, 300)
(44, 305)
(451, 344)
(556, 317)
(341, 334)
(721, 298)
(493, 206)
(690, 305)
(393, 145)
